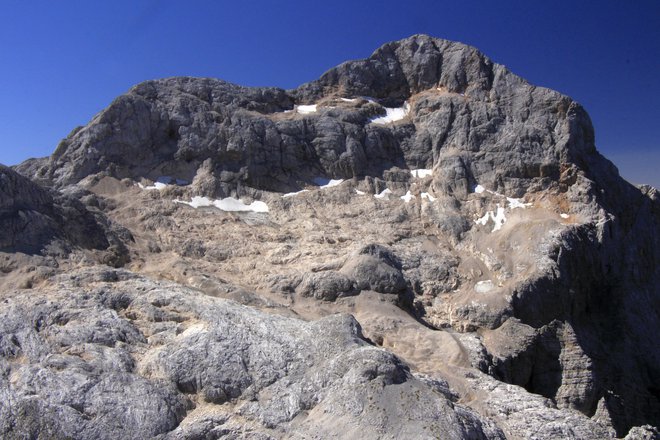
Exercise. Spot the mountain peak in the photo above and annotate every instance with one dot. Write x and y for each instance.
(461, 216)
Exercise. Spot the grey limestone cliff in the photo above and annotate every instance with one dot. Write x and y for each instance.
(494, 275)
(39, 221)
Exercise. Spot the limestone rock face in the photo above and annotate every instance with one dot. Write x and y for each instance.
(130, 357)
(460, 107)
(38, 221)
(419, 244)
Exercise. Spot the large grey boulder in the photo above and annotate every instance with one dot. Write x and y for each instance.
(374, 267)
(327, 285)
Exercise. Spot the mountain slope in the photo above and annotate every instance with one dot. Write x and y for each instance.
(463, 216)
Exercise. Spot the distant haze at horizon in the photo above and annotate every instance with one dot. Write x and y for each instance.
(641, 167)
(63, 64)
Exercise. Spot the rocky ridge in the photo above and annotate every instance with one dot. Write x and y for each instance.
(493, 271)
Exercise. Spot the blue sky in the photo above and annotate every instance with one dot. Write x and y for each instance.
(62, 62)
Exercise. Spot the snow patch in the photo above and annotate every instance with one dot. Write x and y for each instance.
(516, 203)
(428, 196)
(483, 220)
(163, 182)
(562, 215)
(383, 194)
(228, 204)
(306, 109)
(392, 115)
(479, 189)
(349, 99)
(359, 193)
(421, 173)
(156, 185)
(324, 183)
(408, 197)
(498, 218)
(484, 286)
(284, 196)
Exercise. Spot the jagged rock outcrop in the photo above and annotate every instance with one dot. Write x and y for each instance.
(462, 106)
(462, 215)
(38, 221)
(112, 355)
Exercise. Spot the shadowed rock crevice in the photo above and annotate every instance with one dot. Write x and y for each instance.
(38, 221)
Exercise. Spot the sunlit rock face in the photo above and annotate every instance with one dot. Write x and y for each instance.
(416, 245)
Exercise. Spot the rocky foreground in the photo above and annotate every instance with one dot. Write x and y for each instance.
(417, 245)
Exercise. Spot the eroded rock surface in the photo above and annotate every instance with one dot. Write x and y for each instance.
(130, 357)
(417, 245)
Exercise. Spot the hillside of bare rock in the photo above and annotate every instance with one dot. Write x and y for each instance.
(420, 244)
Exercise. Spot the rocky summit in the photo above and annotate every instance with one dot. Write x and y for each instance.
(417, 245)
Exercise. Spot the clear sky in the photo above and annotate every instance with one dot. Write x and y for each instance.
(62, 62)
